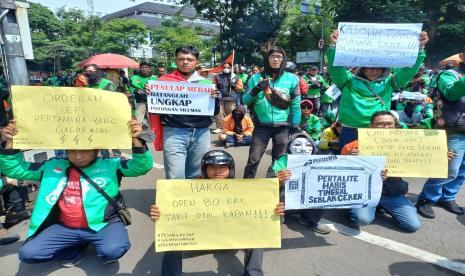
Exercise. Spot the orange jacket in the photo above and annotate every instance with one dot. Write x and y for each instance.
(247, 125)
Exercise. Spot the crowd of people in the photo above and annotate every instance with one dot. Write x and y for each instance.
(279, 101)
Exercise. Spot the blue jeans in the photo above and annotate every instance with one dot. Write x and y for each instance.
(183, 149)
(437, 189)
(59, 242)
(246, 140)
(399, 207)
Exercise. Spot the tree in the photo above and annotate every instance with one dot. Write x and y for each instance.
(174, 34)
(119, 35)
(64, 39)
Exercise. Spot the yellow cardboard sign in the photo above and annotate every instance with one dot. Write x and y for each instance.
(70, 118)
(203, 214)
(409, 152)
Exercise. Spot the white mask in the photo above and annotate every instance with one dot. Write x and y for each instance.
(226, 70)
(301, 145)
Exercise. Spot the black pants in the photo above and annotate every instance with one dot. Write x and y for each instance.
(316, 105)
(15, 198)
(260, 138)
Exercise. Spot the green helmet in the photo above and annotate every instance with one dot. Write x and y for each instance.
(173, 65)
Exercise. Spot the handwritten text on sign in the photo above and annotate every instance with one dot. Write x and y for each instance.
(70, 118)
(377, 45)
(333, 181)
(181, 98)
(409, 152)
(217, 214)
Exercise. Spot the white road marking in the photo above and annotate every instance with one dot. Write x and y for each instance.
(397, 246)
(155, 165)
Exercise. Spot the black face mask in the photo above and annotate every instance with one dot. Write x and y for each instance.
(93, 77)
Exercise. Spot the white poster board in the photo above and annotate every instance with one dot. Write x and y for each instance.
(377, 45)
(307, 57)
(182, 98)
(333, 181)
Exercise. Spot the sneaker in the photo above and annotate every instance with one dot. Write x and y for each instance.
(425, 208)
(110, 261)
(71, 263)
(452, 207)
(321, 229)
(303, 221)
(6, 237)
(217, 131)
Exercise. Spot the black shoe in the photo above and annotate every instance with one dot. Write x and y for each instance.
(425, 208)
(13, 218)
(452, 207)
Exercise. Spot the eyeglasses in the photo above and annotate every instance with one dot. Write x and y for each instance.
(276, 57)
(384, 124)
(305, 107)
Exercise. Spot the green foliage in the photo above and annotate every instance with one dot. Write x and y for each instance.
(170, 36)
(70, 36)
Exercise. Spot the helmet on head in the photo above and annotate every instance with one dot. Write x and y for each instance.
(217, 157)
(291, 67)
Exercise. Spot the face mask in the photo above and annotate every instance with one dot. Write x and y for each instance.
(226, 70)
(301, 145)
(93, 77)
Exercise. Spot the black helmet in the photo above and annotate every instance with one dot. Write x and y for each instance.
(291, 67)
(217, 157)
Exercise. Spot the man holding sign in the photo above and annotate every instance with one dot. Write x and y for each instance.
(393, 199)
(185, 137)
(218, 165)
(71, 209)
(370, 88)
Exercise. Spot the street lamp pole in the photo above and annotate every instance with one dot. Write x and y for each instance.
(322, 41)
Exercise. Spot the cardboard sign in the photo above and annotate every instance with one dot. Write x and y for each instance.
(333, 181)
(205, 214)
(409, 152)
(377, 45)
(184, 98)
(70, 118)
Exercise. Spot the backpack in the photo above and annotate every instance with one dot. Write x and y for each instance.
(438, 99)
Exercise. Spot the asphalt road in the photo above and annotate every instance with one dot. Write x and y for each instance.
(438, 248)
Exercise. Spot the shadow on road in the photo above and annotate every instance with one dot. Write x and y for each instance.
(91, 265)
(418, 269)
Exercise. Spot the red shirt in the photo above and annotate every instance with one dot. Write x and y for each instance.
(71, 209)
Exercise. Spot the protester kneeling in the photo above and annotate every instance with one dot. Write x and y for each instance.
(216, 164)
(393, 200)
(300, 143)
(237, 128)
(70, 212)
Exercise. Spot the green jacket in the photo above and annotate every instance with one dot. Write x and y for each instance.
(104, 84)
(138, 82)
(280, 163)
(52, 175)
(312, 126)
(450, 87)
(268, 114)
(315, 92)
(358, 103)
